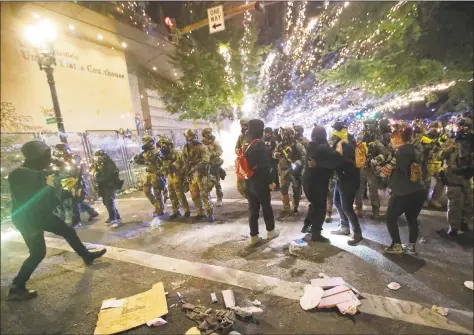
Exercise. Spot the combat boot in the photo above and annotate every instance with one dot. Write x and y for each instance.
(286, 207)
(175, 215)
(375, 213)
(199, 216)
(254, 240)
(355, 239)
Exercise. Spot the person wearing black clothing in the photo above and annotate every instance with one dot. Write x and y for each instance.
(408, 196)
(33, 202)
(345, 192)
(106, 176)
(321, 160)
(271, 143)
(259, 185)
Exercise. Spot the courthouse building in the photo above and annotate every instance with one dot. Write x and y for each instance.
(101, 73)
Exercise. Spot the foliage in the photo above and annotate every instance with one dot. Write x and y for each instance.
(397, 46)
(204, 90)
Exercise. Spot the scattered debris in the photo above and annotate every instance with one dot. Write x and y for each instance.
(422, 240)
(209, 320)
(213, 297)
(394, 286)
(469, 284)
(133, 312)
(327, 282)
(111, 303)
(322, 275)
(297, 245)
(336, 290)
(156, 322)
(229, 299)
(180, 297)
(247, 310)
(256, 303)
(234, 333)
(334, 300)
(311, 297)
(173, 306)
(440, 310)
(193, 331)
(349, 307)
(166, 293)
(177, 284)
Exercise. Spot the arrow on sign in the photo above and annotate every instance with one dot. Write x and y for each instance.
(216, 25)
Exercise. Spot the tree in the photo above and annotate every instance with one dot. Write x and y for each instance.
(213, 76)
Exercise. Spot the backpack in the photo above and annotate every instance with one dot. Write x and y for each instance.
(243, 170)
(360, 156)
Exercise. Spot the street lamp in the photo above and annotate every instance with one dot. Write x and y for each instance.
(41, 36)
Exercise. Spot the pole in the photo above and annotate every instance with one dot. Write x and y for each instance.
(54, 95)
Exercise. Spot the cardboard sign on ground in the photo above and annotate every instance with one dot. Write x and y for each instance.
(135, 311)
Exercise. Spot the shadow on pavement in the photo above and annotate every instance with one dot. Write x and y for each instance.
(465, 240)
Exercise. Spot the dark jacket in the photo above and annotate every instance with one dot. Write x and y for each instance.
(33, 201)
(316, 179)
(258, 159)
(400, 179)
(347, 173)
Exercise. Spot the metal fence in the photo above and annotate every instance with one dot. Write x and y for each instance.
(120, 150)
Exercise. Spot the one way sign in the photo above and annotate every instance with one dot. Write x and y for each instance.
(215, 16)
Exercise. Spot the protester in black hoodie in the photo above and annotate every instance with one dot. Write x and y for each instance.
(259, 185)
(320, 163)
(408, 196)
(348, 183)
(33, 200)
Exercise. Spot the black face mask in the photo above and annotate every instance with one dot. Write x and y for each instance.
(165, 151)
(147, 147)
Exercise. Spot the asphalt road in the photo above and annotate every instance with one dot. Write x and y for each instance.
(213, 257)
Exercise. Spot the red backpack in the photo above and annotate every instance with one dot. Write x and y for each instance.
(242, 168)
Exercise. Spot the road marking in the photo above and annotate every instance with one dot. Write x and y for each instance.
(275, 202)
(406, 311)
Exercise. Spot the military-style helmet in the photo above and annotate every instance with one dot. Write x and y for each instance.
(339, 125)
(148, 139)
(165, 140)
(288, 131)
(464, 122)
(100, 153)
(244, 122)
(61, 150)
(268, 130)
(298, 129)
(190, 134)
(206, 132)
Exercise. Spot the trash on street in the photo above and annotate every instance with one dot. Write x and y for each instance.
(394, 286)
(156, 322)
(229, 299)
(440, 310)
(311, 297)
(213, 297)
(133, 312)
(469, 284)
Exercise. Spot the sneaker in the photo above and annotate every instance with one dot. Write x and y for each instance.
(454, 231)
(254, 240)
(410, 249)
(306, 228)
(272, 235)
(328, 219)
(175, 215)
(21, 293)
(93, 216)
(395, 248)
(220, 203)
(341, 231)
(187, 214)
(115, 223)
(355, 239)
(93, 255)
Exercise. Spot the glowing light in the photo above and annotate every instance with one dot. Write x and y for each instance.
(100, 37)
(71, 27)
(41, 33)
(124, 45)
(154, 68)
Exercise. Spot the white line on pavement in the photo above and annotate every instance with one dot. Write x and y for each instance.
(406, 311)
(280, 203)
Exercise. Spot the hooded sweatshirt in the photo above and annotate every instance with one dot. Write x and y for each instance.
(316, 179)
(258, 157)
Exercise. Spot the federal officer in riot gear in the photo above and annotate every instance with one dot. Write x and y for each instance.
(216, 161)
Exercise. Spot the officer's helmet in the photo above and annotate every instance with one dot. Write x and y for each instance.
(206, 132)
(190, 134)
(148, 140)
(62, 150)
(339, 125)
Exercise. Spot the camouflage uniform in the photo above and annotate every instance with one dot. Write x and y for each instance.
(290, 153)
(377, 154)
(172, 167)
(196, 159)
(242, 143)
(423, 146)
(299, 134)
(215, 151)
(458, 167)
(155, 183)
(434, 164)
